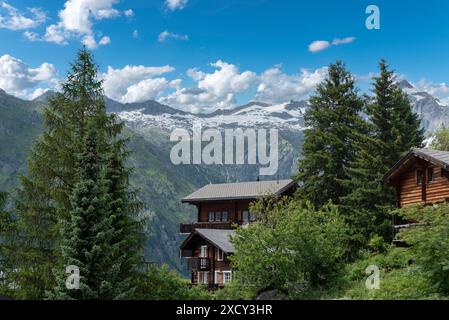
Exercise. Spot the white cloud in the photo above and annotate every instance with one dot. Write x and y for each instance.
(320, 45)
(277, 87)
(89, 41)
(176, 4)
(214, 90)
(165, 35)
(337, 42)
(128, 13)
(20, 80)
(135, 34)
(104, 41)
(438, 90)
(11, 18)
(136, 83)
(76, 21)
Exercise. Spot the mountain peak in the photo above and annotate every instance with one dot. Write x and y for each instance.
(404, 84)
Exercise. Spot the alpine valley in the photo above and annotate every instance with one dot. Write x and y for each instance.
(161, 184)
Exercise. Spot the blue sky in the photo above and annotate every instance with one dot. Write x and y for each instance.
(236, 50)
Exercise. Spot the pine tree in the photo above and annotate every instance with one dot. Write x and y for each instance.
(392, 117)
(393, 129)
(334, 121)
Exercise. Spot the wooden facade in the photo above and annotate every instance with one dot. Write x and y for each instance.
(207, 247)
(421, 177)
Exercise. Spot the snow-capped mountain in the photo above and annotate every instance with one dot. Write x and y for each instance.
(287, 116)
(432, 112)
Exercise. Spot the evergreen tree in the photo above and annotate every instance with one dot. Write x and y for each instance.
(46, 196)
(394, 122)
(393, 129)
(334, 121)
(88, 233)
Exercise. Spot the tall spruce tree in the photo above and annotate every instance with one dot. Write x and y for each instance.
(393, 130)
(334, 121)
(88, 233)
(394, 122)
(45, 198)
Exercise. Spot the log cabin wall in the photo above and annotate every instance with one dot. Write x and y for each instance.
(410, 191)
(438, 190)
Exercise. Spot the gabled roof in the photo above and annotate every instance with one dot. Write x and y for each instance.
(240, 190)
(439, 158)
(217, 237)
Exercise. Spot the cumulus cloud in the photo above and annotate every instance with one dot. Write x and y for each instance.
(176, 4)
(320, 45)
(76, 21)
(214, 90)
(165, 35)
(11, 18)
(137, 83)
(276, 86)
(20, 80)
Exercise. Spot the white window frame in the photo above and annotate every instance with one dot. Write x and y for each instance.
(216, 273)
(223, 215)
(247, 216)
(211, 216)
(220, 254)
(206, 277)
(227, 273)
(203, 251)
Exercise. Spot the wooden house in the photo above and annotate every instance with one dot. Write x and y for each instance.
(220, 208)
(420, 177)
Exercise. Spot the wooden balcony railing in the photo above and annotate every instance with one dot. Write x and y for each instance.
(198, 264)
(190, 227)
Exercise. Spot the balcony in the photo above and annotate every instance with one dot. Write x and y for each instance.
(198, 264)
(190, 227)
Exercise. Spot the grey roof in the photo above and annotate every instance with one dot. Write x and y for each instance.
(240, 190)
(219, 238)
(440, 158)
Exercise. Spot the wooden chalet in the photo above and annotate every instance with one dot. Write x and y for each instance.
(420, 177)
(220, 208)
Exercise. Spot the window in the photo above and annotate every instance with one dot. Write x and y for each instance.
(430, 176)
(217, 216)
(224, 216)
(227, 276)
(211, 216)
(253, 216)
(219, 254)
(206, 277)
(216, 273)
(245, 216)
(203, 252)
(419, 177)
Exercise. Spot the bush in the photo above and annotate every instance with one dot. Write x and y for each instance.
(160, 283)
(430, 241)
(292, 248)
